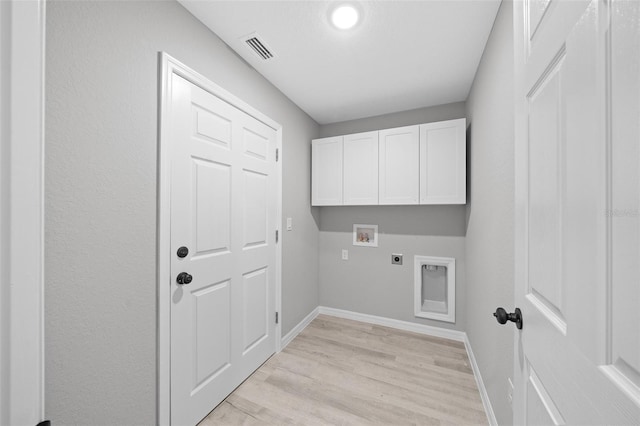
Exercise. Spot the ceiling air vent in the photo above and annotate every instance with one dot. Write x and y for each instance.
(258, 46)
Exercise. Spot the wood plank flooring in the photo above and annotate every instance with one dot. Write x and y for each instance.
(342, 372)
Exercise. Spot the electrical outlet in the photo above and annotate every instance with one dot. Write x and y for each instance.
(396, 259)
(510, 391)
(345, 254)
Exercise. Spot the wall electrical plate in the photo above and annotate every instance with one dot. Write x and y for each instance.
(396, 259)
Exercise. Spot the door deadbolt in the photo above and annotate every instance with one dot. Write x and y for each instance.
(184, 278)
(183, 252)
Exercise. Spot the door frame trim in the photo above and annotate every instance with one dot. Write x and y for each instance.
(22, 114)
(167, 67)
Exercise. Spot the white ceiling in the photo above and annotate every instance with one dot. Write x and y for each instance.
(402, 55)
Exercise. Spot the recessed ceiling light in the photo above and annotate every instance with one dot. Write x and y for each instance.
(345, 16)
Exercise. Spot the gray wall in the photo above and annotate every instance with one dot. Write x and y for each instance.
(101, 150)
(368, 282)
(489, 248)
(397, 119)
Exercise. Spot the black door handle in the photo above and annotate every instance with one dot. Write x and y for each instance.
(184, 278)
(502, 316)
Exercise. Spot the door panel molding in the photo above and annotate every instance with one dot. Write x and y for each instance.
(169, 66)
(536, 389)
(622, 106)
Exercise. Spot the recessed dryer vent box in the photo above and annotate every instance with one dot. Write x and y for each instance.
(435, 288)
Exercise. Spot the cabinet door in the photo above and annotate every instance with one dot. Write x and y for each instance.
(326, 171)
(443, 166)
(399, 165)
(360, 169)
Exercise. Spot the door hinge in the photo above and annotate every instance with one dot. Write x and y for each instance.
(277, 154)
(276, 235)
(276, 317)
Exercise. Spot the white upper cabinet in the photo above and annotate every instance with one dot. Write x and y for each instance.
(360, 169)
(399, 175)
(421, 164)
(443, 162)
(326, 171)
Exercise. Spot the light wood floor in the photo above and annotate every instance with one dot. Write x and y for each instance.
(343, 372)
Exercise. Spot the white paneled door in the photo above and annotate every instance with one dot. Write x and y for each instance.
(223, 248)
(577, 357)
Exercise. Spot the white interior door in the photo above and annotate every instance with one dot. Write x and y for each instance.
(577, 202)
(223, 210)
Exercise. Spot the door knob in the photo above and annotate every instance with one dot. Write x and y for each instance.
(502, 316)
(184, 278)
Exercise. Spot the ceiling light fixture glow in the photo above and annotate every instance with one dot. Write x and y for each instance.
(345, 17)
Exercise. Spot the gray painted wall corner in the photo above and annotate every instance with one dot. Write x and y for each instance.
(100, 225)
(396, 119)
(490, 212)
(367, 282)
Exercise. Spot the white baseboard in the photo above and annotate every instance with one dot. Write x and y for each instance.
(491, 416)
(298, 328)
(445, 333)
